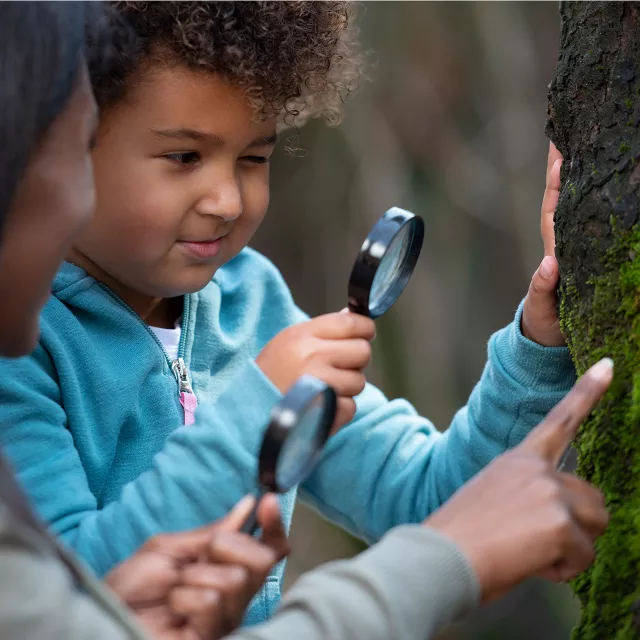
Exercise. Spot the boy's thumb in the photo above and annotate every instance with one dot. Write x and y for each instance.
(543, 283)
(540, 314)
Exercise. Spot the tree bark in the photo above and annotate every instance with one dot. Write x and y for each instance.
(594, 113)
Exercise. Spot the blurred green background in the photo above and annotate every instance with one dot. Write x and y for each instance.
(451, 127)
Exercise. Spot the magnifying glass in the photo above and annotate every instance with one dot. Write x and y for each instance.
(298, 430)
(385, 262)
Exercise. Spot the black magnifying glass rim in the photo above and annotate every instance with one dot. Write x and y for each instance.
(366, 265)
(285, 417)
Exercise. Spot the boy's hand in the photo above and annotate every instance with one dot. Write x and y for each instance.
(522, 517)
(550, 199)
(334, 348)
(540, 317)
(198, 584)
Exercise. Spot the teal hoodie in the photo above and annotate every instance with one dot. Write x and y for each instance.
(93, 423)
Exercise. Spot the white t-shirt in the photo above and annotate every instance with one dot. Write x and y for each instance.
(170, 339)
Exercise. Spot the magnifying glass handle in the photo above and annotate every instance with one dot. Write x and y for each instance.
(250, 525)
(354, 307)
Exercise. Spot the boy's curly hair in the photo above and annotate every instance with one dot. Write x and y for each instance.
(295, 59)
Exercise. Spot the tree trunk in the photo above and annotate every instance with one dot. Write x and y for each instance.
(594, 114)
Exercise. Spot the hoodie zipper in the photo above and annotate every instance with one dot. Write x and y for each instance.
(188, 398)
(181, 374)
(186, 394)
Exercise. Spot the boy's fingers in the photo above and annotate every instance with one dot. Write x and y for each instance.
(543, 283)
(541, 300)
(540, 316)
(552, 157)
(551, 437)
(347, 383)
(549, 204)
(340, 325)
(550, 199)
(353, 353)
(345, 412)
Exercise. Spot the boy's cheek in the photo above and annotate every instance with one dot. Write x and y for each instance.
(140, 204)
(242, 232)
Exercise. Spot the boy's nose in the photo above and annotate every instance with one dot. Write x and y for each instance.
(222, 200)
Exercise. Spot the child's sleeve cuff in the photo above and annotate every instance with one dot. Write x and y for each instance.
(547, 369)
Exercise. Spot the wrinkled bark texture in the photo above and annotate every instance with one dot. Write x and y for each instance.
(594, 119)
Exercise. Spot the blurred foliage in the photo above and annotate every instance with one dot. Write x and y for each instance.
(451, 127)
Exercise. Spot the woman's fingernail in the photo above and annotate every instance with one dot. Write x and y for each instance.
(556, 164)
(546, 267)
(602, 370)
(245, 503)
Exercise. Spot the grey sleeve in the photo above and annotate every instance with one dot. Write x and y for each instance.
(38, 600)
(406, 587)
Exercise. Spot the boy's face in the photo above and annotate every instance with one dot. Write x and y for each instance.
(182, 182)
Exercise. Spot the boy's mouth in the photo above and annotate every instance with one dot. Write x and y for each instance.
(205, 250)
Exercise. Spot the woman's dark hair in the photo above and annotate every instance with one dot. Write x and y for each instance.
(42, 45)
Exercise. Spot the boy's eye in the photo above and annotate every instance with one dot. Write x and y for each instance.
(189, 157)
(256, 159)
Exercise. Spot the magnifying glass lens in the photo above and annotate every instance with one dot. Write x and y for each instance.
(297, 432)
(390, 268)
(302, 446)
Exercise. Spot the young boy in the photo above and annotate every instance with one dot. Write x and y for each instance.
(162, 306)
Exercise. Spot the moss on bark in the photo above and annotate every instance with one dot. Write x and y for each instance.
(594, 113)
(609, 446)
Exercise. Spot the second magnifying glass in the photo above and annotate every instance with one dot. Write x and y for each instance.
(298, 430)
(385, 262)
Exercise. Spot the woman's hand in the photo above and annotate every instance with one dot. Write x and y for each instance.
(522, 517)
(197, 584)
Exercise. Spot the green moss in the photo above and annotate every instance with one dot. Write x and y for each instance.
(571, 188)
(624, 147)
(629, 103)
(606, 322)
